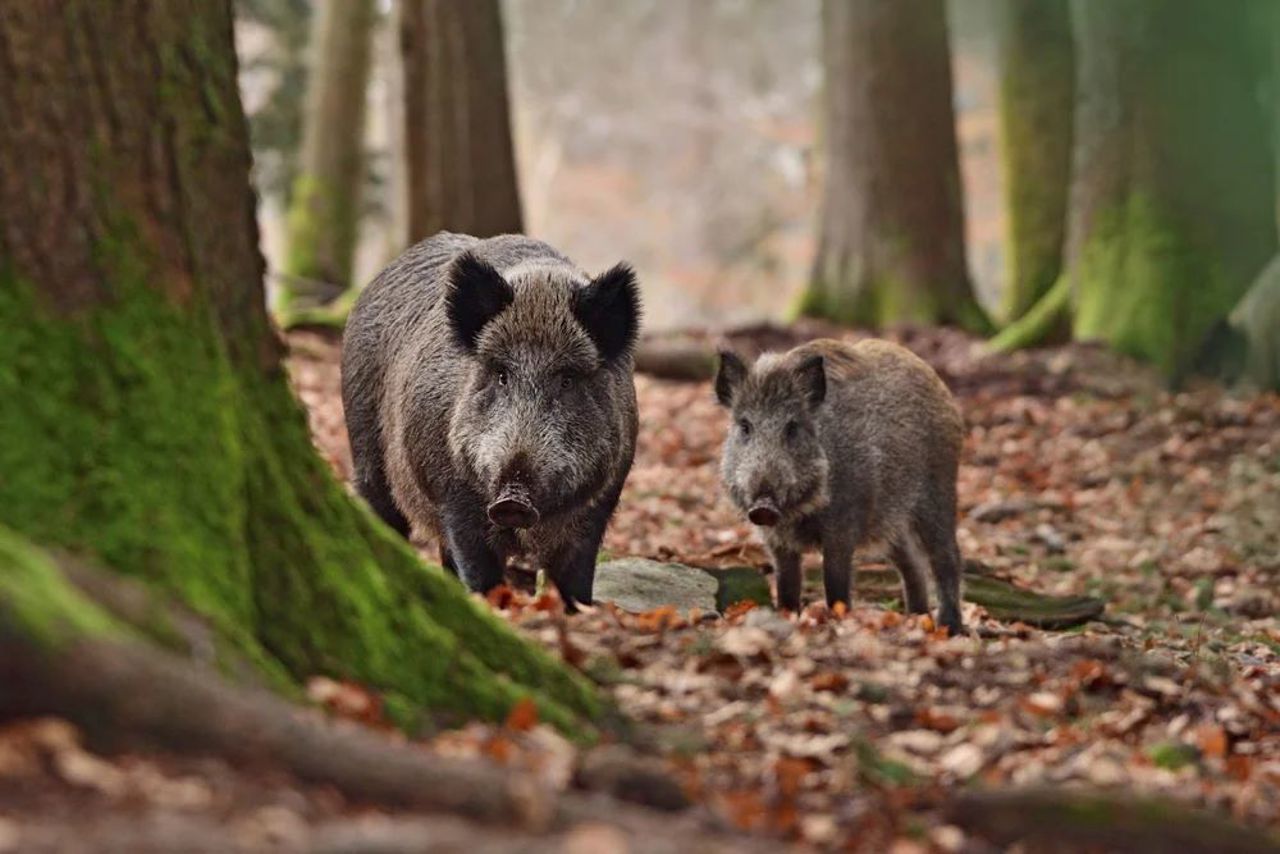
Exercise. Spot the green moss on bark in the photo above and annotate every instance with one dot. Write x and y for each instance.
(322, 228)
(1144, 287)
(1044, 323)
(1036, 104)
(887, 301)
(129, 435)
(38, 602)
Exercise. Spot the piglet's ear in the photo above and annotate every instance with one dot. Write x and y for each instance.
(477, 294)
(609, 310)
(812, 376)
(730, 375)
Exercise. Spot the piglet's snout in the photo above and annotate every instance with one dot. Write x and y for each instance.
(764, 512)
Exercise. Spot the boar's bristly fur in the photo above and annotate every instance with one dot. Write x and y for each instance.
(835, 446)
(490, 400)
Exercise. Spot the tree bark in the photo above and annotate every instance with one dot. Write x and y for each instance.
(324, 213)
(147, 421)
(891, 234)
(1172, 198)
(1037, 88)
(461, 164)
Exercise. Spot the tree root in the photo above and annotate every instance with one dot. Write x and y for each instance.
(141, 675)
(124, 692)
(1044, 323)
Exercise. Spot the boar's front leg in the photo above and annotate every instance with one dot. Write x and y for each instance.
(786, 565)
(573, 568)
(837, 566)
(574, 572)
(473, 558)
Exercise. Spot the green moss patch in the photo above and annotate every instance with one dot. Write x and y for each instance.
(132, 438)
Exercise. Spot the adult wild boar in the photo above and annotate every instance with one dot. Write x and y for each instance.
(489, 395)
(834, 446)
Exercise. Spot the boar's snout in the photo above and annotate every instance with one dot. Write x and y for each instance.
(764, 512)
(513, 506)
(513, 509)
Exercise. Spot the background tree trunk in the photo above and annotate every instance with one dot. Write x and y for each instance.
(891, 236)
(324, 213)
(461, 165)
(147, 421)
(395, 95)
(1172, 198)
(1037, 89)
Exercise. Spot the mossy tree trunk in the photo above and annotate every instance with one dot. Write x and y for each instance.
(461, 164)
(891, 234)
(1172, 205)
(324, 211)
(1037, 90)
(1172, 201)
(147, 421)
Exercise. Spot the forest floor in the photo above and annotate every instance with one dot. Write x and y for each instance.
(864, 730)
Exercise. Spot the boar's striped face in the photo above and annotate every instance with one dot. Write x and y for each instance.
(540, 422)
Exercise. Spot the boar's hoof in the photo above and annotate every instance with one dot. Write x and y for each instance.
(513, 513)
(765, 514)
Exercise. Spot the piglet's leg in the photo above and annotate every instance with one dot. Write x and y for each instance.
(786, 563)
(913, 566)
(837, 568)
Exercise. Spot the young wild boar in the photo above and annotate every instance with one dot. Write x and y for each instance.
(489, 397)
(834, 446)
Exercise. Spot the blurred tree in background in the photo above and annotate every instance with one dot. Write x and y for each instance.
(148, 423)
(325, 207)
(891, 235)
(461, 173)
(1037, 89)
(275, 127)
(1124, 136)
(1172, 200)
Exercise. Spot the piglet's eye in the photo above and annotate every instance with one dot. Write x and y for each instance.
(566, 382)
(792, 429)
(744, 426)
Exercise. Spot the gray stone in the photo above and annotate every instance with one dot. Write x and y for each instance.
(637, 585)
(769, 620)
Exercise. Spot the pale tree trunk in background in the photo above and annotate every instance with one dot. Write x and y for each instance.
(891, 236)
(397, 188)
(461, 165)
(324, 213)
(1172, 207)
(147, 421)
(1037, 87)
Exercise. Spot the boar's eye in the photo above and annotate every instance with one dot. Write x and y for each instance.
(566, 381)
(744, 426)
(501, 376)
(792, 429)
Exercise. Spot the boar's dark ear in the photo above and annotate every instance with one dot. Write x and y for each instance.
(731, 373)
(477, 294)
(812, 376)
(609, 310)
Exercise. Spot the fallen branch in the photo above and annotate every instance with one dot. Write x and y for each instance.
(1106, 820)
(691, 361)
